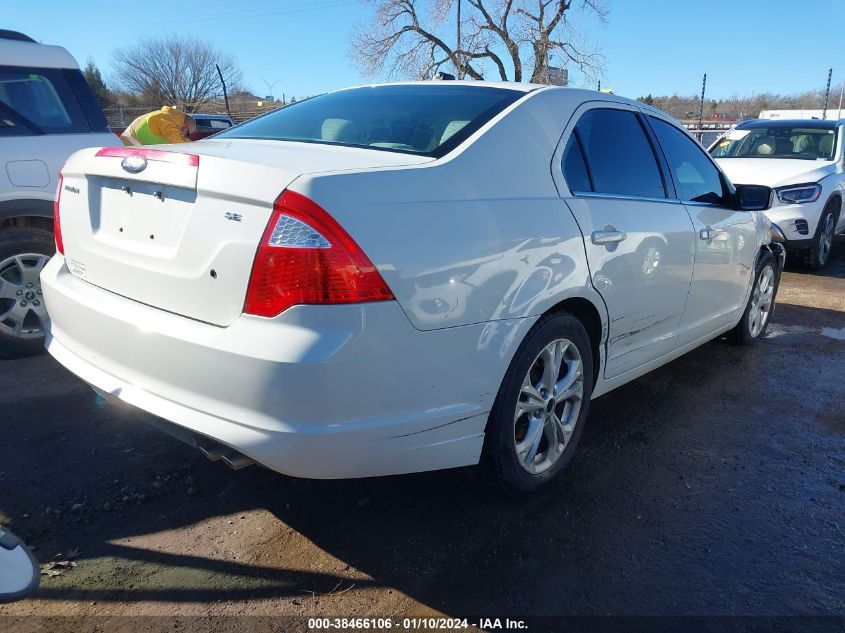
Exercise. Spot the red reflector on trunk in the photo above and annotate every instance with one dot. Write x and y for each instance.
(312, 261)
(160, 155)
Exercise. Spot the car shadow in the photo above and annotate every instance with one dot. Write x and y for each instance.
(667, 506)
(834, 268)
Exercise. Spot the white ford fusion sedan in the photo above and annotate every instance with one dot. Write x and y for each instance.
(404, 277)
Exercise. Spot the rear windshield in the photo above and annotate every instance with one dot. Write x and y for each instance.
(777, 141)
(428, 120)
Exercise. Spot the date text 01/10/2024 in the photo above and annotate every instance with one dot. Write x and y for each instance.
(414, 624)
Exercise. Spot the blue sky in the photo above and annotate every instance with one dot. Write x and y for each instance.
(301, 46)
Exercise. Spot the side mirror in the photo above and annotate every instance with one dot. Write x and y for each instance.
(19, 571)
(753, 197)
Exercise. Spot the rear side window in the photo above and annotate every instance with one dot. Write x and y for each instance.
(574, 166)
(428, 120)
(619, 155)
(40, 101)
(696, 179)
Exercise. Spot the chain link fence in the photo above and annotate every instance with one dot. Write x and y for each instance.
(120, 117)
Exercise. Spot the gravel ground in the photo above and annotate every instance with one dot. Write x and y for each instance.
(713, 486)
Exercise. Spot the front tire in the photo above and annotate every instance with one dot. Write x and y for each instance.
(819, 253)
(540, 409)
(23, 254)
(761, 304)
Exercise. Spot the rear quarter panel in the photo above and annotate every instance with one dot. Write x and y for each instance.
(480, 235)
(44, 156)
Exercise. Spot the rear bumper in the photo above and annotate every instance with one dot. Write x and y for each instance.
(318, 392)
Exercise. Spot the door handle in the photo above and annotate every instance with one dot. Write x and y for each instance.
(607, 237)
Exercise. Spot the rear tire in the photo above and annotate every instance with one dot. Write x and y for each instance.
(541, 407)
(819, 253)
(23, 253)
(761, 304)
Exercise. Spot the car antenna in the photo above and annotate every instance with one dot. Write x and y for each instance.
(225, 96)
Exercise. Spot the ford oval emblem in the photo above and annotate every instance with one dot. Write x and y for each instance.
(134, 164)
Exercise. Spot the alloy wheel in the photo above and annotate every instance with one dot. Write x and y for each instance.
(548, 405)
(762, 299)
(826, 239)
(22, 311)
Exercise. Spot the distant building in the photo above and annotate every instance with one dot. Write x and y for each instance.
(558, 76)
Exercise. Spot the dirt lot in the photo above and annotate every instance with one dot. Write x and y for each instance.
(714, 486)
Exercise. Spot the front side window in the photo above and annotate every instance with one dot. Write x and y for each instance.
(428, 120)
(619, 154)
(40, 100)
(696, 179)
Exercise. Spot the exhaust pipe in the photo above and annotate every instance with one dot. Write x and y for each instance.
(213, 452)
(216, 452)
(236, 460)
(208, 447)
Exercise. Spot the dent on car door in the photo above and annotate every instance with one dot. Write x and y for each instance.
(726, 239)
(638, 239)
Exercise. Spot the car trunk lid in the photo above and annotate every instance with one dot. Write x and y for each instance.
(180, 232)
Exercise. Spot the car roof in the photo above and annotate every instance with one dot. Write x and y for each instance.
(6, 34)
(15, 52)
(821, 124)
(581, 94)
(505, 85)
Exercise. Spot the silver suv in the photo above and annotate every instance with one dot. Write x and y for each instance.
(47, 112)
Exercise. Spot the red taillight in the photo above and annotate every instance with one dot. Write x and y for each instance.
(57, 223)
(305, 257)
(160, 155)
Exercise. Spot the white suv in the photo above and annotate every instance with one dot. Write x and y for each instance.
(47, 112)
(803, 162)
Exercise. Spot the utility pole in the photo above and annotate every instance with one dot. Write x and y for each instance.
(270, 86)
(827, 93)
(599, 88)
(460, 65)
(701, 107)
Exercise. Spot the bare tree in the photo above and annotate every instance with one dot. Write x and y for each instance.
(739, 107)
(508, 37)
(178, 71)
